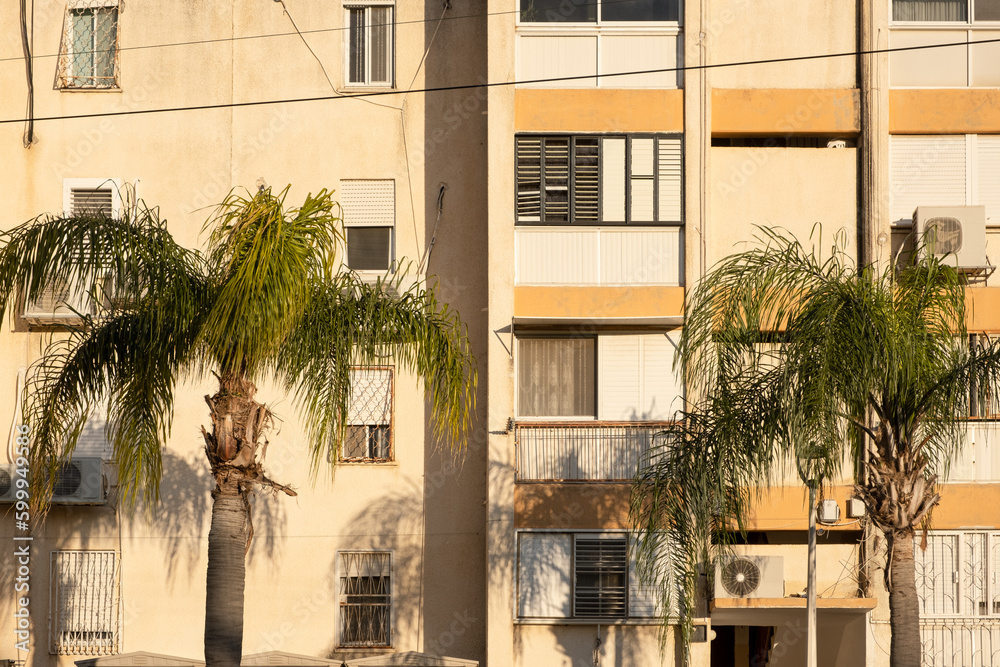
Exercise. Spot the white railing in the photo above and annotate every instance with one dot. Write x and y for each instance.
(962, 642)
(599, 451)
(979, 458)
(545, 52)
(599, 256)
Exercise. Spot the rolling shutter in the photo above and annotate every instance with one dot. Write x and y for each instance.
(368, 203)
(543, 575)
(988, 176)
(925, 171)
(636, 380)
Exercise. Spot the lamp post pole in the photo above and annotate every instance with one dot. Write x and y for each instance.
(811, 588)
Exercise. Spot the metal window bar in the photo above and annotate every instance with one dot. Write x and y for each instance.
(960, 642)
(598, 451)
(370, 430)
(958, 575)
(600, 578)
(365, 598)
(84, 603)
(88, 54)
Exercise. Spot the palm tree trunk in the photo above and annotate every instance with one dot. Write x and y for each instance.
(904, 607)
(227, 541)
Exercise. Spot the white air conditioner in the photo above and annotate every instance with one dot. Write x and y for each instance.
(80, 481)
(7, 477)
(750, 577)
(956, 234)
(61, 304)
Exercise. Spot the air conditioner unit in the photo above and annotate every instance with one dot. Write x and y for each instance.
(60, 304)
(750, 577)
(80, 481)
(7, 474)
(956, 234)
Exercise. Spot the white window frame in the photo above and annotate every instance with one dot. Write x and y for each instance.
(341, 574)
(640, 604)
(105, 610)
(390, 45)
(355, 420)
(67, 79)
(662, 143)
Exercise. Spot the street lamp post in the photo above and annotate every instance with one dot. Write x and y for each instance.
(809, 464)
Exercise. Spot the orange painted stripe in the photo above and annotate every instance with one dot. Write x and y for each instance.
(944, 111)
(598, 110)
(591, 303)
(779, 112)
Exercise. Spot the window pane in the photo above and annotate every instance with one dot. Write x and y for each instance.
(381, 52)
(987, 10)
(82, 48)
(930, 10)
(586, 180)
(556, 377)
(640, 10)
(368, 248)
(356, 47)
(601, 570)
(105, 37)
(559, 11)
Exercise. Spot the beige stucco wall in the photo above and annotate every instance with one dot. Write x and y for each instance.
(791, 188)
(427, 506)
(571, 645)
(740, 31)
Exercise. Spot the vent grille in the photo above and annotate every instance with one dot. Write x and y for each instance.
(740, 577)
(943, 235)
(601, 578)
(91, 201)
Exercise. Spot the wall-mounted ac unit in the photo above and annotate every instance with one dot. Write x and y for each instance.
(61, 304)
(7, 473)
(80, 481)
(956, 234)
(750, 577)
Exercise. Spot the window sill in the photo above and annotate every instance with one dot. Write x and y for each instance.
(371, 463)
(84, 89)
(359, 89)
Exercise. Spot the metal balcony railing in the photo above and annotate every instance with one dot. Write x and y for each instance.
(582, 451)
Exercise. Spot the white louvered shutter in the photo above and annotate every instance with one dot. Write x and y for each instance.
(586, 180)
(93, 439)
(988, 176)
(925, 171)
(670, 179)
(613, 179)
(642, 179)
(544, 568)
(529, 179)
(368, 202)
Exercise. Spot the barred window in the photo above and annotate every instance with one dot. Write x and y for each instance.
(84, 603)
(369, 418)
(88, 57)
(601, 572)
(365, 598)
(369, 212)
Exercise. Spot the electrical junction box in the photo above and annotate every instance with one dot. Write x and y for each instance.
(828, 511)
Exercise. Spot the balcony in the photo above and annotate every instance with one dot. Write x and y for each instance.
(979, 459)
(599, 451)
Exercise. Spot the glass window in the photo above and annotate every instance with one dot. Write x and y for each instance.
(556, 377)
(558, 11)
(89, 57)
(369, 59)
(369, 417)
(85, 603)
(640, 10)
(930, 10)
(365, 598)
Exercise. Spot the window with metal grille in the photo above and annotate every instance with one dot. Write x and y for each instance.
(369, 211)
(365, 598)
(369, 418)
(84, 603)
(600, 577)
(88, 57)
(959, 574)
(370, 53)
(589, 180)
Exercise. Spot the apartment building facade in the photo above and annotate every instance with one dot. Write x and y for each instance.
(637, 145)
(176, 104)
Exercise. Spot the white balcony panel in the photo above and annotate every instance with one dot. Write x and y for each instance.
(642, 257)
(556, 56)
(942, 67)
(557, 257)
(979, 458)
(639, 53)
(983, 59)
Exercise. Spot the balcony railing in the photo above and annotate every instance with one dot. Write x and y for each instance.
(961, 642)
(979, 458)
(582, 451)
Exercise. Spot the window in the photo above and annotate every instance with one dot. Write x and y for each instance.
(88, 57)
(370, 54)
(365, 598)
(946, 10)
(586, 575)
(561, 11)
(944, 170)
(619, 377)
(84, 603)
(369, 419)
(589, 180)
(369, 212)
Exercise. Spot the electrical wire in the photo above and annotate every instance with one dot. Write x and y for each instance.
(498, 84)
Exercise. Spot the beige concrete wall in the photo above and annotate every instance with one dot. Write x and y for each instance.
(740, 31)
(791, 188)
(620, 645)
(427, 506)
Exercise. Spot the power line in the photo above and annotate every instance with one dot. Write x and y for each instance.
(494, 84)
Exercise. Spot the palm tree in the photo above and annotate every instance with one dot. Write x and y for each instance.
(267, 300)
(786, 352)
